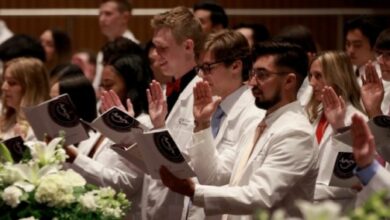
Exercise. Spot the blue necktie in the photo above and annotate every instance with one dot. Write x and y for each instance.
(216, 120)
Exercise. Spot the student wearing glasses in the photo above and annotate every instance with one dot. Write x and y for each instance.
(275, 163)
(225, 66)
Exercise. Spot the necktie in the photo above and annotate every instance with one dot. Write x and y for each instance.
(321, 127)
(172, 87)
(216, 120)
(247, 152)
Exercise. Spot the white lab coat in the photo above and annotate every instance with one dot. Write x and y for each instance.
(328, 150)
(281, 169)
(241, 114)
(107, 168)
(158, 201)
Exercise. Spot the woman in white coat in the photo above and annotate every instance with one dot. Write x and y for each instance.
(333, 81)
(94, 158)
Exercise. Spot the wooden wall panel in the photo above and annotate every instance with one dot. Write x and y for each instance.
(226, 3)
(85, 32)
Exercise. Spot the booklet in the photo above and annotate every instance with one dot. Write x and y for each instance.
(118, 126)
(342, 175)
(380, 128)
(54, 116)
(16, 147)
(159, 149)
(148, 150)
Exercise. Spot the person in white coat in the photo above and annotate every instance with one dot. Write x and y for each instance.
(373, 176)
(114, 19)
(270, 172)
(333, 81)
(225, 65)
(178, 40)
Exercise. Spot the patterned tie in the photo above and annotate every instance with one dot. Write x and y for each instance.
(247, 152)
(216, 120)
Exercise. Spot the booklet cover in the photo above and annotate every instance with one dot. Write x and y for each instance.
(148, 150)
(343, 175)
(158, 148)
(380, 128)
(118, 126)
(16, 147)
(55, 115)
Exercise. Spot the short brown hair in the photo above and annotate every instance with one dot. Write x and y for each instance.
(229, 45)
(123, 5)
(184, 25)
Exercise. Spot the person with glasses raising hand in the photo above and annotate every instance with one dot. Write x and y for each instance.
(225, 66)
(275, 163)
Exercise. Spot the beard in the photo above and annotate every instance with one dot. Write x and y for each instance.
(267, 104)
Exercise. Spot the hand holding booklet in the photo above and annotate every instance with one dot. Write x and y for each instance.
(148, 150)
(55, 115)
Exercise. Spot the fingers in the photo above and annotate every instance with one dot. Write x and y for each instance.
(329, 98)
(371, 74)
(359, 129)
(130, 109)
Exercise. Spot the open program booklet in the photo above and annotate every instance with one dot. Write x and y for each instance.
(147, 149)
(54, 116)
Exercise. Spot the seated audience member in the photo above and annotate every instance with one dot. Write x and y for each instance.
(21, 45)
(72, 81)
(94, 158)
(86, 60)
(25, 84)
(211, 15)
(374, 177)
(254, 33)
(376, 92)
(360, 35)
(57, 46)
(333, 81)
(276, 162)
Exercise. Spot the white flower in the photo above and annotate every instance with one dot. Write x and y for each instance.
(11, 196)
(44, 154)
(55, 190)
(88, 201)
(29, 218)
(319, 211)
(73, 178)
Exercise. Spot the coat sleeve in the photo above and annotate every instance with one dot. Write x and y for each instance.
(289, 157)
(120, 175)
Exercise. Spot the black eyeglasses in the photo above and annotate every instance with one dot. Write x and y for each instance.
(207, 67)
(263, 74)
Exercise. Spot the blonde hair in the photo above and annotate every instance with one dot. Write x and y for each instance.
(338, 73)
(32, 76)
(183, 24)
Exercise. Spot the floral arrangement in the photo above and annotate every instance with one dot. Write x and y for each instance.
(38, 188)
(375, 208)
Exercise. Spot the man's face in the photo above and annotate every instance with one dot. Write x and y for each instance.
(205, 20)
(171, 55)
(266, 83)
(112, 22)
(358, 47)
(220, 77)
